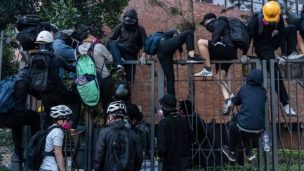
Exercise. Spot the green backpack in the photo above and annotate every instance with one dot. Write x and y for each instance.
(87, 84)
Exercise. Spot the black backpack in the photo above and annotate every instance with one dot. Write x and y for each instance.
(39, 72)
(36, 148)
(119, 147)
(239, 33)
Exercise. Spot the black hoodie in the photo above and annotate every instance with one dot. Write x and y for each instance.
(130, 37)
(252, 98)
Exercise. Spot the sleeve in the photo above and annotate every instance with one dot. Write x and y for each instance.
(101, 50)
(253, 25)
(57, 137)
(138, 154)
(237, 99)
(279, 38)
(63, 64)
(219, 27)
(68, 53)
(162, 139)
(142, 38)
(100, 152)
(116, 32)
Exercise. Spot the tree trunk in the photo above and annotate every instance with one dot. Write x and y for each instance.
(190, 10)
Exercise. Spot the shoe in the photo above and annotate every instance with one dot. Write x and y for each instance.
(288, 110)
(120, 71)
(204, 73)
(195, 59)
(227, 107)
(230, 155)
(250, 156)
(294, 55)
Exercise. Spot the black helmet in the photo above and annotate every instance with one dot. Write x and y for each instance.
(122, 91)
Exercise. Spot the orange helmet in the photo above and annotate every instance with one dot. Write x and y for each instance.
(271, 11)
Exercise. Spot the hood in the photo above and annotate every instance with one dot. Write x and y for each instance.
(255, 77)
(131, 13)
(117, 124)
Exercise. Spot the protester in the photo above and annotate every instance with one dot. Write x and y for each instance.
(268, 30)
(19, 115)
(250, 119)
(117, 147)
(220, 47)
(174, 137)
(100, 56)
(54, 160)
(125, 43)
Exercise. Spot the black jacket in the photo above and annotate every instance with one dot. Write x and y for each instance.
(221, 31)
(130, 40)
(252, 98)
(263, 37)
(174, 139)
(104, 159)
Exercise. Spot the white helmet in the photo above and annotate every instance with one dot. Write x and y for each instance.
(44, 37)
(60, 111)
(117, 108)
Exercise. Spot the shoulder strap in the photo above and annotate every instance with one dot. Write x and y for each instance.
(50, 153)
(260, 18)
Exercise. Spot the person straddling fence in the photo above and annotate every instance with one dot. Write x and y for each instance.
(268, 32)
(117, 147)
(100, 55)
(125, 43)
(53, 159)
(250, 119)
(174, 137)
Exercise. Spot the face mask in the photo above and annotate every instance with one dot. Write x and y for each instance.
(66, 125)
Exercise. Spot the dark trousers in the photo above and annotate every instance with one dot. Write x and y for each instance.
(236, 137)
(118, 53)
(165, 53)
(290, 42)
(267, 52)
(106, 91)
(16, 122)
(69, 98)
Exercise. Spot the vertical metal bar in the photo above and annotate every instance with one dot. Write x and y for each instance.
(1, 51)
(297, 6)
(191, 87)
(160, 80)
(152, 112)
(273, 118)
(90, 132)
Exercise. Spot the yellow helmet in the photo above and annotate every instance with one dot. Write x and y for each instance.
(271, 11)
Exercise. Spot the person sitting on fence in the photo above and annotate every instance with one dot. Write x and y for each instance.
(125, 43)
(19, 115)
(250, 119)
(55, 138)
(100, 55)
(268, 30)
(171, 42)
(174, 137)
(117, 147)
(44, 71)
(220, 47)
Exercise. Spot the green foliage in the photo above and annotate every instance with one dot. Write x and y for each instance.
(6, 138)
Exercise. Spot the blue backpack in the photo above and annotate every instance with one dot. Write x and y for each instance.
(152, 41)
(7, 86)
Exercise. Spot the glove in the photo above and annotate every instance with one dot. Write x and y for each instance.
(282, 60)
(142, 60)
(245, 59)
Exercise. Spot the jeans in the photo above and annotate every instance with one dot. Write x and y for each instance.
(106, 91)
(119, 53)
(165, 53)
(290, 42)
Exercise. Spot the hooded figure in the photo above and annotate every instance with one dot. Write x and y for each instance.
(252, 98)
(130, 20)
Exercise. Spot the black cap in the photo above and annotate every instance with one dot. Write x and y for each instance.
(168, 100)
(207, 17)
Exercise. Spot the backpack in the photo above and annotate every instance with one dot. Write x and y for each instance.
(239, 33)
(7, 87)
(39, 72)
(119, 148)
(87, 84)
(152, 41)
(36, 148)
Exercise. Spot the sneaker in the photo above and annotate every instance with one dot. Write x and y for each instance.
(227, 107)
(204, 73)
(230, 155)
(250, 156)
(288, 110)
(294, 55)
(195, 59)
